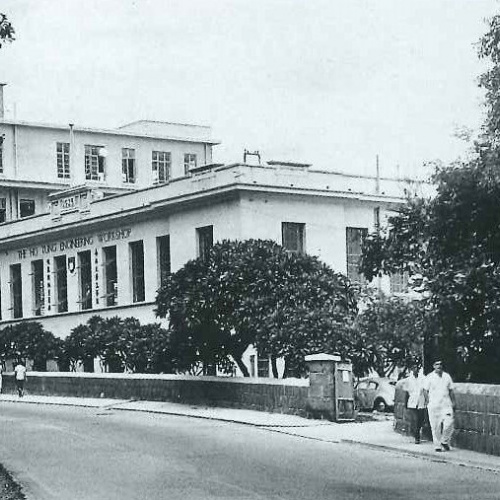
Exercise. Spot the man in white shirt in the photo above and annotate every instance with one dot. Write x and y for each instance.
(440, 406)
(414, 386)
(20, 373)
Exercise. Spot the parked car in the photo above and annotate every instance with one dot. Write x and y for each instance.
(375, 393)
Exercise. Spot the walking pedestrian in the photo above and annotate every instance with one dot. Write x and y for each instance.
(415, 385)
(440, 405)
(20, 373)
(1, 375)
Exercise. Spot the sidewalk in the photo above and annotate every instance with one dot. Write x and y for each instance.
(375, 434)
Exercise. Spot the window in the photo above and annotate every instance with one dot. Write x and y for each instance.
(205, 237)
(62, 160)
(128, 165)
(110, 275)
(85, 268)
(354, 242)
(61, 274)
(163, 249)
(399, 282)
(189, 162)
(161, 167)
(26, 208)
(252, 365)
(262, 367)
(293, 236)
(16, 285)
(38, 287)
(2, 138)
(3, 210)
(137, 263)
(95, 157)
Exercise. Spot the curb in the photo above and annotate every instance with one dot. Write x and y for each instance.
(209, 417)
(445, 459)
(425, 456)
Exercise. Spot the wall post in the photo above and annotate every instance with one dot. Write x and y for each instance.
(330, 393)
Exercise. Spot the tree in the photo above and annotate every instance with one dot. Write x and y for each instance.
(254, 292)
(30, 340)
(122, 344)
(489, 49)
(6, 30)
(83, 344)
(137, 348)
(151, 352)
(389, 334)
(451, 242)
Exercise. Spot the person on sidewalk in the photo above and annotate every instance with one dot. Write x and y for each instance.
(20, 373)
(414, 385)
(440, 405)
(1, 374)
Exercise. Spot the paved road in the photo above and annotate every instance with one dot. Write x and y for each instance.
(84, 453)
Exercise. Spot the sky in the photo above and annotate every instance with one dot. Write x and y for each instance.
(331, 83)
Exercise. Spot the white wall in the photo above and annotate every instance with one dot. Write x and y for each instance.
(238, 216)
(325, 221)
(35, 148)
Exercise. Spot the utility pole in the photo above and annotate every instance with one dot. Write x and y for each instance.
(377, 211)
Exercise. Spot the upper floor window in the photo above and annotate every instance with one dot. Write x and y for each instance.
(354, 242)
(3, 210)
(205, 237)
(293, 236)
(189, 162)
(63, 160)
(128, 165)
(26, 208)
(95, 163)
(161, 167)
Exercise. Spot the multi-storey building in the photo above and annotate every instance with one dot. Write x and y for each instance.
(116, 211)
(39, 159)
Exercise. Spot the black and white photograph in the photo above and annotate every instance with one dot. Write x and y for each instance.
(249, 249)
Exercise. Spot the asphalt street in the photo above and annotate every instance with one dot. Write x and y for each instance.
(60, 452)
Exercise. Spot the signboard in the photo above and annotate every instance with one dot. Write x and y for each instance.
(74, 243)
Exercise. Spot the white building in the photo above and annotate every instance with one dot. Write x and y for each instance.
(38, 159)
(103, 245)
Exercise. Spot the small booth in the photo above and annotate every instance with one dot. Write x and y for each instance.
(331, 388)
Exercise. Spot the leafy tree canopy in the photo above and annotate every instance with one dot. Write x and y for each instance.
(122, 344)
(255, 292)
(29, 340)
(6, 30)
(388, 333)
(451, 244)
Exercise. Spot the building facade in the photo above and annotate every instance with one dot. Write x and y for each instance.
(92, 221)
(92, 253)
(39, 159)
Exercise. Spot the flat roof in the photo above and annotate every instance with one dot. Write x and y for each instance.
(117, 131)
(219, 182)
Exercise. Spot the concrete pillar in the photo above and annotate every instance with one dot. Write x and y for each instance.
(321, 396)
(2, 108)
(331, 388)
